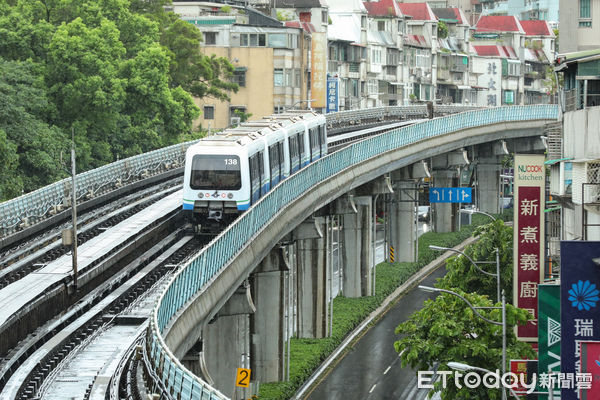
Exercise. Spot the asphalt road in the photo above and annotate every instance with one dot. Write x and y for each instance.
(371, 370)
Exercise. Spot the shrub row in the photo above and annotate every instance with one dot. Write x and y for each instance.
(307, 354)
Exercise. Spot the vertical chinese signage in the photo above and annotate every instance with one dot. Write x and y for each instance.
(318, 71)
(332, 94)
(579, 317)
(548, 336)
(529, 183)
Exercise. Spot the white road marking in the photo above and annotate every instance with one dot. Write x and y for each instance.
(372, 388)
(386, 371)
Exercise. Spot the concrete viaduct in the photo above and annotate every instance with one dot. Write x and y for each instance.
(227, 307)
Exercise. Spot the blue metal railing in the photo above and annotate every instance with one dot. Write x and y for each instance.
(213, 258)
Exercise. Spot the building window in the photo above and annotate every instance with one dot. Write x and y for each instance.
(381, 26)
(363, 22)
(210, 38)
(209, 112)
(584, 9)
(278, 77)
(297, 77)
(376, 56)
(324, 18)
(239, 77)
(278, 40)
(253, 40)
(288, 77)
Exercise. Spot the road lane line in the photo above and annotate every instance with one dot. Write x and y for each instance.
(386, 371)
(372, 388)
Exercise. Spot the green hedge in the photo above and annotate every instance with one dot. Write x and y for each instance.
(307, 354)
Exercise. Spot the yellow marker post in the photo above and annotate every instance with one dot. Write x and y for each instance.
(392, 258)
(242, 378)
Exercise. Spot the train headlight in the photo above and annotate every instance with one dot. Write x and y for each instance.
(230, 195)
(200, 195)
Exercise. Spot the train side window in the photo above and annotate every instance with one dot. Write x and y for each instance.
(293, 148)
(254, 175)
(323, 138)
(261, 170)
(273, 161)
(301, 146)
(281, 159)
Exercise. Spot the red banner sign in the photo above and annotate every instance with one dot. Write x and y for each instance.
(528, 238)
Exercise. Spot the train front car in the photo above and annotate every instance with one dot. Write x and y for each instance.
(216, 183)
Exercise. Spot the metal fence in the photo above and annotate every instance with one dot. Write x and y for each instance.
(216, 256)
(34, 207)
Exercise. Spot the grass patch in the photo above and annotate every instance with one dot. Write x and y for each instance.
(307, 354)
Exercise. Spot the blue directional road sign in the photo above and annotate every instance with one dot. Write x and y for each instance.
(450, 195)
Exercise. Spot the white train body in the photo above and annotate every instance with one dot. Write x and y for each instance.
(226, 173)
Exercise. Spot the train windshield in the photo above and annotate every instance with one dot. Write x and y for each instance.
(216, 172)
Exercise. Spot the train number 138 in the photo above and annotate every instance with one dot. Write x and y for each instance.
(231, 161)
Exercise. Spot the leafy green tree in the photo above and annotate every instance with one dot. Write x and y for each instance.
(30, 142)
(157, 113)
(446, 329)
(119, 73)
(442, 30)
(84, 83)
(11, 183)
(196, 73)
(463, 275)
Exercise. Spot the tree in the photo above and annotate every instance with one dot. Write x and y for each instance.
(463, 275)
(83, 81)
(446, 329)
(119, 73)
(11, 183)
(196, 73)
(442, 30)
(31, 148)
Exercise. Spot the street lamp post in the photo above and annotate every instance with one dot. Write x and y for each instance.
(465, 211)
(466, 367)
(502, 323)
(296, 103)
(475, 264)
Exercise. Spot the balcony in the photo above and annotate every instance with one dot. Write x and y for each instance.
(443, 74)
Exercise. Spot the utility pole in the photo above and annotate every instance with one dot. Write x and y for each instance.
(74, 210)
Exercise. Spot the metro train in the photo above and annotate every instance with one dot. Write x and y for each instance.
(228, 172)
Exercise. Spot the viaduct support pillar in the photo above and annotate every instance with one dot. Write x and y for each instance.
(226, 344)
(312, 273)
(443, 213)
(357, 255)
(488, 185)
(402, 221)
(267, 323)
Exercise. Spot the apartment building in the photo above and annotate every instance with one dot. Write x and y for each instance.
(420, 51)
(577, 32)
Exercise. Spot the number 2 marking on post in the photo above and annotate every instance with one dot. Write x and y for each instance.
(243, 377)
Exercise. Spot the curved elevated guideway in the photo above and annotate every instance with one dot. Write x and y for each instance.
(203, 285)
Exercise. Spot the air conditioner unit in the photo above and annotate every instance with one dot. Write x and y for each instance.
(419, 72)
(235, 121)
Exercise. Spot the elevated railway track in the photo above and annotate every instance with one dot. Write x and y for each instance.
(35, 353)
